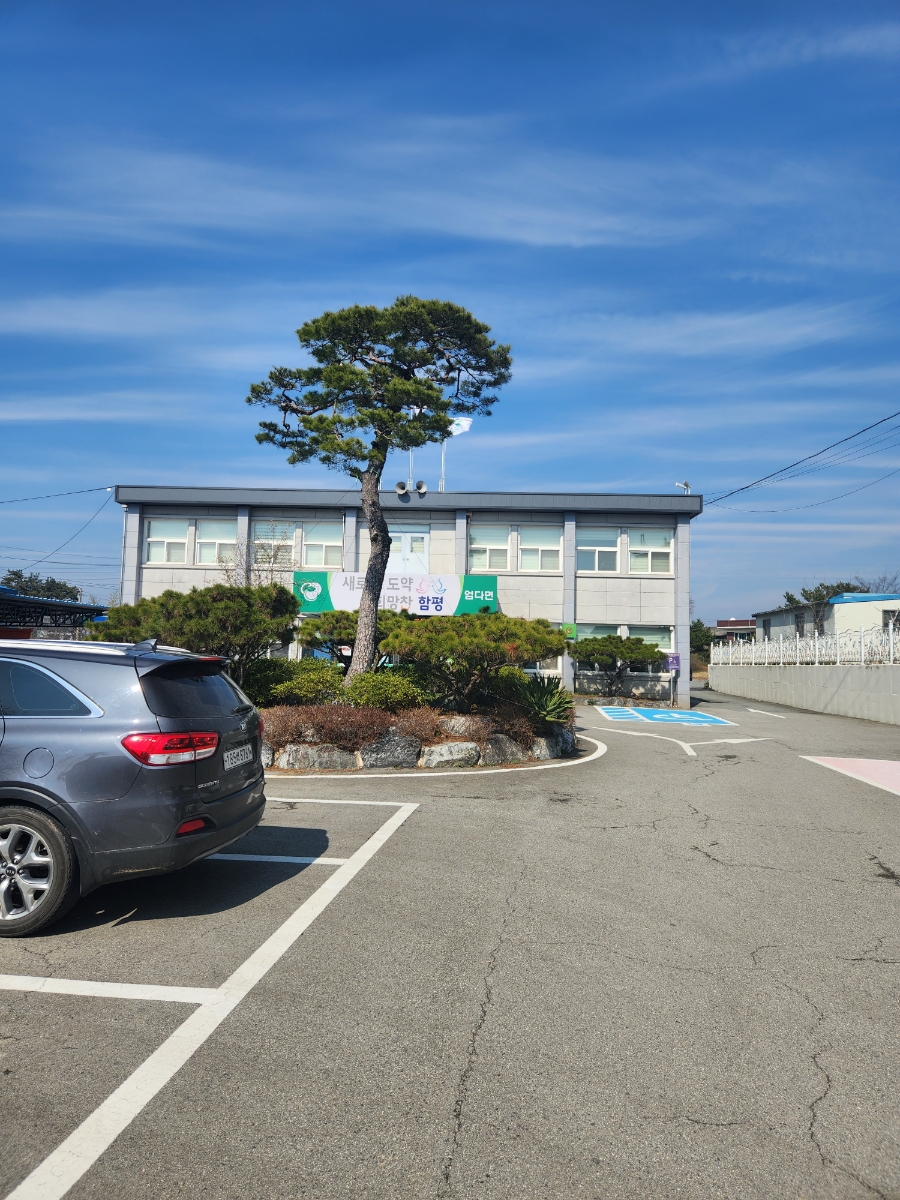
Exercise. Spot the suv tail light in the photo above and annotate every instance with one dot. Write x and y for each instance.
(163, 749)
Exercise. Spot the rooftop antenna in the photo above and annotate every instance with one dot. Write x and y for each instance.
(685, 485)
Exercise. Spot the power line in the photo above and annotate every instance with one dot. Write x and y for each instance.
(77, 531)
(816, 503)
(55, 495)
(777, 474)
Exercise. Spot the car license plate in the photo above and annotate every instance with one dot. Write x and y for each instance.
(237, 756)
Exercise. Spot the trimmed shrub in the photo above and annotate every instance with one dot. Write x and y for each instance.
(263, 675)
(384, 689)
(461, 655)
(312, 681)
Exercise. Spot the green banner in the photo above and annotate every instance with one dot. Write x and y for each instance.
(422, 595)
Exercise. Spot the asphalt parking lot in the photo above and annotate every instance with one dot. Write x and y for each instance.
(670, 971)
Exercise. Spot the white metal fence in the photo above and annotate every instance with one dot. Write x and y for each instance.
(869, 647)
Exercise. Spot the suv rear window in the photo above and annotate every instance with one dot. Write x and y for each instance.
(189, 689)
(27, 692)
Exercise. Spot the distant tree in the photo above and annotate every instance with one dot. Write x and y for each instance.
(701, 636)
(33, 585)
(239, 623)
(614, 657)
(817, 598)
(461, 656)
(386, 379)
(885, 583)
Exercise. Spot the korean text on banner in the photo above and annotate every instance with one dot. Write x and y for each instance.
(425, 595)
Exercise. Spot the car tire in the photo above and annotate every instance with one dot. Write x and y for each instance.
(38, 871)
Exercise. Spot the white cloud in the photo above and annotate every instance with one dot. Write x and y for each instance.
(468, 180)
(739, 58)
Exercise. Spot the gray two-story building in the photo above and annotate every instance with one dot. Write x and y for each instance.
(592, 563)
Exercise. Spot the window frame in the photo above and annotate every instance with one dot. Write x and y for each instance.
(504, 545)
(198, 542)
(274, 561)
(635, 631)
(323, 566)
(650, 551)
(94, 709)
(595, 550)
(166, 561)
(541, 551)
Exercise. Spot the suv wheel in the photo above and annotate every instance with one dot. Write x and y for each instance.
(38, 871)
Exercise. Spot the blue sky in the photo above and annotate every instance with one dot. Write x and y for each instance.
(682, 216)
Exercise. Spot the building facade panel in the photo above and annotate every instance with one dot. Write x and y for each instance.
(605, 563)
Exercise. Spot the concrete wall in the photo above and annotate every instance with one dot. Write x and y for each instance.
(849, 690)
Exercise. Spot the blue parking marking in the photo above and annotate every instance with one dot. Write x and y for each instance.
(660, 716)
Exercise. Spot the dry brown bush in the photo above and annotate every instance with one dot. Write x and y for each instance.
(334, 724)
(284, 723)
(421, 723)
(474, 729)
(515, 724)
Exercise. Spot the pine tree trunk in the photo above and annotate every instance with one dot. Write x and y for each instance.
(365, 647)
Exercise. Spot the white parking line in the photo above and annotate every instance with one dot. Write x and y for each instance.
(277, 858)
(62, 1169)
(762, 712)
(687, 747)
(116, 991)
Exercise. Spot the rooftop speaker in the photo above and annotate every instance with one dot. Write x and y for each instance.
(401, 489)
(421, 487)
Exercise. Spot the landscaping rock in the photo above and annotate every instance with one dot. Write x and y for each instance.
(393, 750)
(267, 754)
(296, 757)
(543, 748)
(450, 754)
(455, 726)
(564, 738)
(500, 749)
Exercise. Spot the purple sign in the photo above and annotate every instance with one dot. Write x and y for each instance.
(673, 662)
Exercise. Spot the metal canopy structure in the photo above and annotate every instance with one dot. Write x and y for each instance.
(38, 612)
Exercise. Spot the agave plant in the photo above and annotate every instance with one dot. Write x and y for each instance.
(544, 698)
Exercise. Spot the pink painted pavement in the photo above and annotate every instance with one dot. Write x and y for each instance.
(882, 773)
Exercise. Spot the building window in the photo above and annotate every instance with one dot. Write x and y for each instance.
(323, 544)
(273, 543)
(216, 541)
(596, 631)
(597, 550)
(659, 636)
(409, 548)
(650, 551)
(166, 541)
(800, 624)
(767, 628)
(489, 547)
(539, 547)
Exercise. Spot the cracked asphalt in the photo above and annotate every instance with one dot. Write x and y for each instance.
(649, 976)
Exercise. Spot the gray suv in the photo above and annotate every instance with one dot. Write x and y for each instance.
(116, 761)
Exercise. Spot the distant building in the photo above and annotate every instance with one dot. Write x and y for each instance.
(591, 564)
(735, 629)
(846, 613)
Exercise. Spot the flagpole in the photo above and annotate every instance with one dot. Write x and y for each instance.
(409, 482)
(443, 451)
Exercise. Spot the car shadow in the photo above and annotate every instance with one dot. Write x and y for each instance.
(201, 889)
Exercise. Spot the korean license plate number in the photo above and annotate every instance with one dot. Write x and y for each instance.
(237, 756)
